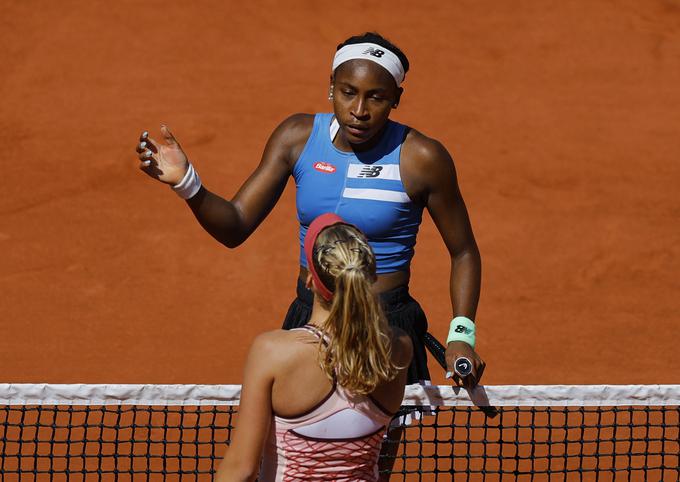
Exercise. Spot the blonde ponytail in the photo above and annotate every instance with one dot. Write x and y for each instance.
(359, 350)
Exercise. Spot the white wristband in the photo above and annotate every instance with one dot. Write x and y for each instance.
(189, 185)
(462, 329)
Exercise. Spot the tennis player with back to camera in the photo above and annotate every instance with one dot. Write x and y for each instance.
(352, 365)
(374, 172)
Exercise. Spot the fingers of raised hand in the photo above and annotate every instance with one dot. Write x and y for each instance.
(168, 136)
(146, 149)
(148, 142)
(145, 154)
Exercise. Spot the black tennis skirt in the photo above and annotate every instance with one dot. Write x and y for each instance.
(401, 310)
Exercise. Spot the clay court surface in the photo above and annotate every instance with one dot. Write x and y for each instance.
(563, 118)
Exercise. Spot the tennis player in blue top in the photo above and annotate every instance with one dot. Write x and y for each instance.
(376, 173)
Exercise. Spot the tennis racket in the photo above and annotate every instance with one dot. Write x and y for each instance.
(462, 365)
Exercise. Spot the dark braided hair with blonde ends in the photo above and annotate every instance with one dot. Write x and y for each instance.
(358, 354)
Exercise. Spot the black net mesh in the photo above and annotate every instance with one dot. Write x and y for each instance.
(123, 442)
(113, 442)
(542, 444)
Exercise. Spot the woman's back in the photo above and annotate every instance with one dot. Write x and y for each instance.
(319, 429)
(317, 400)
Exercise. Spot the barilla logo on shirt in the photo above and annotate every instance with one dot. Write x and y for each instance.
(324, 167)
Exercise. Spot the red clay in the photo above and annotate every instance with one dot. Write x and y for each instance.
(562, 117)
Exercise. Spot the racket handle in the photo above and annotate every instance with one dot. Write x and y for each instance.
(437, 350)
(462, 366)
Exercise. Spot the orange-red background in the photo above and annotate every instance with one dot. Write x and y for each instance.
(563, 118)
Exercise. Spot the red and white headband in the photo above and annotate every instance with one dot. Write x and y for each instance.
(373, 52)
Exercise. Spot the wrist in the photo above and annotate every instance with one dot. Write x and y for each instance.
(459, 343)
(462, 329)
(189, 185)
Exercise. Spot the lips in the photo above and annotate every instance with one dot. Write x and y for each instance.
(356, 130)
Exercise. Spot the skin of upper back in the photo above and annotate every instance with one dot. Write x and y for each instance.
(300, 384)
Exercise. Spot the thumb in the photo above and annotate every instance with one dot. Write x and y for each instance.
(167, 135)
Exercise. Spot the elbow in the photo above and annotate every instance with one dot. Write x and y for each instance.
(232, 240)
(244, 474)
(230, 243)
(225, 224)
(235, 236)
(467, 260)
(469, 253)
(236, 471)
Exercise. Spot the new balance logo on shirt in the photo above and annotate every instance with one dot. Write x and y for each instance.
(356, 171)
(373, 182)
(370, 171)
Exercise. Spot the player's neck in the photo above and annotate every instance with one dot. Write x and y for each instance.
(319, 313)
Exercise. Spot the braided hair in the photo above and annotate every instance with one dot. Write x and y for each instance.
(358, 353)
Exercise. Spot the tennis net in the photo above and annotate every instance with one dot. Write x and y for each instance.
(179, 432)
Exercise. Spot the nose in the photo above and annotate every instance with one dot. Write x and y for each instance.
(359, 110)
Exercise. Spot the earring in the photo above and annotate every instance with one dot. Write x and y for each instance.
(330, 93)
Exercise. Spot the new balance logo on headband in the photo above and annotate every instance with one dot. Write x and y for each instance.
(374, 52)
(370, 171)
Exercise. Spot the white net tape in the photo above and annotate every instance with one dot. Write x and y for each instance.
(420, 395)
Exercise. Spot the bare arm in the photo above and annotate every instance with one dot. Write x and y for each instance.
(433, 177)
(232, 222)
(243, 456)
(447, 208)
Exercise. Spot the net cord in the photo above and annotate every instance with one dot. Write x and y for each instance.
(415, 395)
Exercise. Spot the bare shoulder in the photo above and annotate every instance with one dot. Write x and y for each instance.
(402, 346)
(273, 339)
(425, 164)
(294, 129)
(419, 148)
(281, 347)
(297, 123)
(265, 342)
(289, 138)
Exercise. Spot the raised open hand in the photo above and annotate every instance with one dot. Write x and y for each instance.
(165, 161)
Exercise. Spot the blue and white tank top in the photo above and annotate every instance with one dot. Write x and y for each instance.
(363, 188)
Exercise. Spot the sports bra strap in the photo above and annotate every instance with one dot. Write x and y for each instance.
(316, 331)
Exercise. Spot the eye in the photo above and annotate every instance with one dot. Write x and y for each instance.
(379, 97)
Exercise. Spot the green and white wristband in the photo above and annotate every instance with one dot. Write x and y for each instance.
(462, 329)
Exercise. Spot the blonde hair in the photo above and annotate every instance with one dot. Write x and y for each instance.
(358, 352)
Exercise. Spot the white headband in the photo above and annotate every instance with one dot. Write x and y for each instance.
(373, 52)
